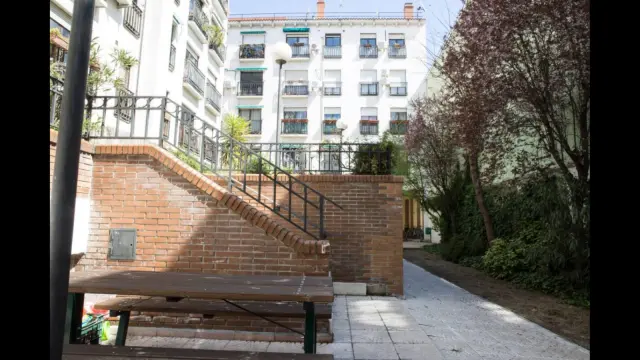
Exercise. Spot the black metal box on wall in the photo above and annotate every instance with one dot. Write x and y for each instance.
(122, 244)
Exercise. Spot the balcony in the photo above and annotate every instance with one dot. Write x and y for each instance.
(296, 88)
(212, 98)
(300, 51)
(397, 52)
(133, 19)
(333, 89)
(193, 80)
(398, 127)
(198, 20)
(294, 126)
(332, 52)
(124, 107)
(368, 127)
(172, 58)
(250, 88)
(255, 127)
(225, 6)
(398, 89)
(252, 51)
(220, 51)
(368, 51)
(329, 127)
(369, 88)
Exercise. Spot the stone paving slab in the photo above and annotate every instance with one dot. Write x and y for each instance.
(436, 320)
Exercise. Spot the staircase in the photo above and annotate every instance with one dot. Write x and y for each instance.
(292, 203)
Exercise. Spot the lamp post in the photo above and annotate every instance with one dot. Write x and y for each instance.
(341, 126)
(282, 53)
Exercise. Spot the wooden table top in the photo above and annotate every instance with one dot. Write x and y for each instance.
(203, 286)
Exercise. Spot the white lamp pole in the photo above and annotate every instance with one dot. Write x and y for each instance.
(282, 53)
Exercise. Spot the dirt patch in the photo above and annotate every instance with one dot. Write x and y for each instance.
(568, 321)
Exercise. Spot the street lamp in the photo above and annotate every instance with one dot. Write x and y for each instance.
(282, 53)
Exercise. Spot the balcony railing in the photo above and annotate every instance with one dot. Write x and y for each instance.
(220, 50)
(329, 127)
(398, 127)
(124, 107)
(250, 88)
(369, 88)
(294, 126)
(398, 89)
(333, 89)
(397, 52)
(172, 58)
(133, 19)
(300, 51)
(252, 51)
(332, 52)
(300, 88)
(213, 96)
(255, 127)
(198, 16)
(194, 77)
(225, 6)
(369, 127)
(368, 51)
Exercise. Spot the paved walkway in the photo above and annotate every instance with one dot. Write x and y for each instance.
(436, 321)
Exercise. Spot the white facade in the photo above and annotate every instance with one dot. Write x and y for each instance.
(321, 73)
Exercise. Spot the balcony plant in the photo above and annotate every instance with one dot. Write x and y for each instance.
(214, 34)
(367, 45)
(397, 46)
(237, 128)
(299, 44)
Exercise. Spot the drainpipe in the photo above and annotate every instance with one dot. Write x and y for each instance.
(144, 20)
(322, 91)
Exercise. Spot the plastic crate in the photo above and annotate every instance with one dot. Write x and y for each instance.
(91, 329)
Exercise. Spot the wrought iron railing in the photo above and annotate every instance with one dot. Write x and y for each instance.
(194, 77)
(398, 127)
(197, 15)
(220, 50)
(252, 51)
(368, 51)
(369, 88)
(294, 126)
(397, 52)
(300, 51)
(162, 121)
(368, 127)
(213, 96)
(329, 127)
(172, 58)
(250, 88)
(56, 87)
(332, 52)
(333, 89)
(296, 88)
(124, 110)
(398, 89)
(133, 19)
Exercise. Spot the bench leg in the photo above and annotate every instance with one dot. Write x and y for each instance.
(309, 327)
(123, 327)
(75, 303)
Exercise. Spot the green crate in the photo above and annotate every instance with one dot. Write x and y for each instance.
(91, 329)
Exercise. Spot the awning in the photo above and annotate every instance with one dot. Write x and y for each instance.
(251, 69)
(249, 106)
(252, 32)
(294, 30)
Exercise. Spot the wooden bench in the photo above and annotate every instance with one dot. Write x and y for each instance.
(122, 306)
(97, 352)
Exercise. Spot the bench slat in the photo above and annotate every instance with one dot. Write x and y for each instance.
(211, 307)
(99, 352)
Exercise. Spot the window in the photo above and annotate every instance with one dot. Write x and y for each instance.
(397, 48)
(331, 117)
(299, 45)
(398, 124)
(332, 46)
(332, 85)
(250, 83)
(64, 31)
(396, 42)
(252, 46)
(398, 116)
(294, 121)
(397, 83)
(295, 82)
(174, 32)
(295, 114)
(254, 117)
(188, 136)
(369, 121)
(332, 40)
(368, 48)
(58, 51)
(368, 83)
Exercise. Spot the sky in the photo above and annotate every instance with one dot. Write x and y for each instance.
(440, 14)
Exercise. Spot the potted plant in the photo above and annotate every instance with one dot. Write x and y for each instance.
(215, 35)
(298, 44)
(367, 45)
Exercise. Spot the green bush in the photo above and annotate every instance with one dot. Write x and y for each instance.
(505, 259)
(384, 158)
(254, 168)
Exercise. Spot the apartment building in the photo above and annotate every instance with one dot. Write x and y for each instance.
(362, 69)
(178, 46)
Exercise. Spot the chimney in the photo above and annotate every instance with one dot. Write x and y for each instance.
(320, 11)
(408, 10)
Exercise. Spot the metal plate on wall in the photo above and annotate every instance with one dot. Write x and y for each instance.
(122, 244)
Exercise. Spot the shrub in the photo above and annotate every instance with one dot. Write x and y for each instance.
(505, 259)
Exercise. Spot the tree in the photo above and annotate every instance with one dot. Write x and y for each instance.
(236, 127)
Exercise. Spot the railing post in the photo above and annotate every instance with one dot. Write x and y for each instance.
(230, 162)
(162, 115)
(322, 234)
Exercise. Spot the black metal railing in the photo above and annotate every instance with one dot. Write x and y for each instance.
(329, 127)
(333, 89)
(124, 110)
(56, 87)
(369, 127)
(370, 51)
(300, 51)
(296, 88)
(194, 77)
(397, 52)
(163, 121)
(213, 96)
(250, 88)
(220, 50)
(133, 19)
(172, 58)
(398, 89)
(332, 52)
(252, 51)
(369, 88)
(197, 15)
(294, 126)
(398, 127)
(255, 127)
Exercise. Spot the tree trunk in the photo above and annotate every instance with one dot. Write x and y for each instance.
(477, 187)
